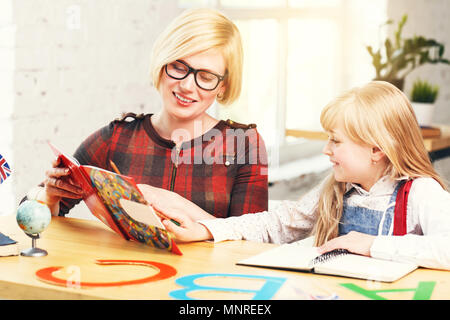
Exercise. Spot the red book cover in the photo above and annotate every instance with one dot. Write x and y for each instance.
(104, 190)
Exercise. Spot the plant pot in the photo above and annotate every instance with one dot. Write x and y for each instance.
(424, 113)
(399, 83)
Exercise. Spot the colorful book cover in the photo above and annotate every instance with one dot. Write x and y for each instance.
(103, 190)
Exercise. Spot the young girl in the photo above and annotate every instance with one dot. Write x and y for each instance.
(375, 146)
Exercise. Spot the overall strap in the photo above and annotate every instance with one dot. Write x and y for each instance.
(400, 209)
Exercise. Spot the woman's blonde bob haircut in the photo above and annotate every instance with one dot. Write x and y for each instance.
(376, 114)
(196, 31)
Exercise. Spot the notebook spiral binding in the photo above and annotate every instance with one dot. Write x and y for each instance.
(328, 255)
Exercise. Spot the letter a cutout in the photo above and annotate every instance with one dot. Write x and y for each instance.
(422, 292)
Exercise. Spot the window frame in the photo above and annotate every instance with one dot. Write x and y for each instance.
(284, 150)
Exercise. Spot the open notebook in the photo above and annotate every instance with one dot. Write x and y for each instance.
(338, 262)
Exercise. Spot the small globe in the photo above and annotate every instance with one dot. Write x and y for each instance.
(33, 217)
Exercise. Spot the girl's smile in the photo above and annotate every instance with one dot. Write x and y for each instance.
(353, 162)
(334, 162)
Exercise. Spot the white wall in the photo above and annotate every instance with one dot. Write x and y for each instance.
(72, 67)
(431, 19)
(7, 63)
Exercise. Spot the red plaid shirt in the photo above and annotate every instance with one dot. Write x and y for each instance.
(223, 171)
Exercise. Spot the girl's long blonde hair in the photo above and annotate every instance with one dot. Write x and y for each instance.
(377, 114)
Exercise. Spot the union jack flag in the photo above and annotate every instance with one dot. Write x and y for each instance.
(5, 171)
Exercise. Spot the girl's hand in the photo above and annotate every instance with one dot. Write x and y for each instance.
(185, 229)
(355, 242)
(173, 202)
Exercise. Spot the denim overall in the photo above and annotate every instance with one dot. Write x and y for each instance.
(368, 221)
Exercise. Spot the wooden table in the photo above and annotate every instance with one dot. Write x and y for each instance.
(75, 245)
(434, 144)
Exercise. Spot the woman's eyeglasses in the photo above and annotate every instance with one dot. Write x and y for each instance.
(205, 80)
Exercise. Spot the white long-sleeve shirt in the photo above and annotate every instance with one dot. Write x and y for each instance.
(427, 242)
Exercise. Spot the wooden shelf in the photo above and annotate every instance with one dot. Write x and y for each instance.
(435, 139)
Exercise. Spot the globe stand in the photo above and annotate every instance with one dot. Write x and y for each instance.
(33, 251)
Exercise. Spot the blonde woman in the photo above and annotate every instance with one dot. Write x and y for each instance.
(377, 151)
(181, 154)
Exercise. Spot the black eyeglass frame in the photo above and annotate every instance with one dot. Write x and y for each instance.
(195, 71)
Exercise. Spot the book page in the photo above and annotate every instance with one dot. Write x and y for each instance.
(58, 152)
(142, 213)
(356, 266)
(112, 188)
(287, 256)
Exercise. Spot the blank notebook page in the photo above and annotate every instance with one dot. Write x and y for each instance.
(285, 256)
(356, 266)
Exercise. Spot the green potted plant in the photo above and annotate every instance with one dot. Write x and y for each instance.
(423, 96)
(396, 58)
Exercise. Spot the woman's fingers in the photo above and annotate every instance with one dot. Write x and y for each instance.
(59, 184)
(57, 192)
(57, 172)
(62, 184)
(56, 162)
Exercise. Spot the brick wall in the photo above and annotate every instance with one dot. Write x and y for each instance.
(77, 66)
(7, 58)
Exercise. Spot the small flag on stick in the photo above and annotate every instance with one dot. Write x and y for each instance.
(5, 171)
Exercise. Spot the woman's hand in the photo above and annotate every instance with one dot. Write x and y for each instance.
(59, 185)
(173, 202)
(355, 242)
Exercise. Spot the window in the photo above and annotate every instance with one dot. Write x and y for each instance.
(298, 55)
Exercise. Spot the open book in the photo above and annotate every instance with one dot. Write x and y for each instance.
(337, 262)
(116, 201)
